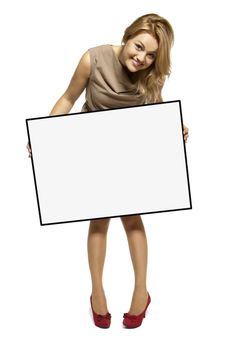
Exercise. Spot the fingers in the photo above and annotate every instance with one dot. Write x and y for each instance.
(186, 137)
(186, 133)
(29, 151)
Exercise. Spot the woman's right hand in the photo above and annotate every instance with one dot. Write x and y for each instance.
(29, 150)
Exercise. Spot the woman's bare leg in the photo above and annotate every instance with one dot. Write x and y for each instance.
(137, 242)
(96, 245)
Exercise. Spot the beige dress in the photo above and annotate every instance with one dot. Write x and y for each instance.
(109, 85)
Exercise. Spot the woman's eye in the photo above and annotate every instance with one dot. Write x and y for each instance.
(151, 55)
(138, 46)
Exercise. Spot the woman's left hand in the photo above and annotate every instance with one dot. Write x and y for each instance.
(185, 132)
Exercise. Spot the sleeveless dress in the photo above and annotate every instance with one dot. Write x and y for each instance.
(109, 85)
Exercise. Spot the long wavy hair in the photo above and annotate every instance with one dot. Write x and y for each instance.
(150, 81)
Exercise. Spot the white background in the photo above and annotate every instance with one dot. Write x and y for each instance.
(45, 282)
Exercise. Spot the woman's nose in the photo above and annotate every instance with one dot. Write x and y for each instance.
(141, 57)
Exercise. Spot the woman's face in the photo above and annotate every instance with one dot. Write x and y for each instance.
(139, 52)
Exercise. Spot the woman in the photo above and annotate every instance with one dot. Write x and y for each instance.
(117, 76)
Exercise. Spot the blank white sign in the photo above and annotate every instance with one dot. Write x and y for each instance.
(109, 163)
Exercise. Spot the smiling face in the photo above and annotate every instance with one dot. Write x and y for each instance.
(139, 52)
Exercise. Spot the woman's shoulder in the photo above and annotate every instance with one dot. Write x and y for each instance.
(100, 48)
(105, 52)
(116, 49)
(93, 52)
(101, 54)
(85, 61)
(107, 47)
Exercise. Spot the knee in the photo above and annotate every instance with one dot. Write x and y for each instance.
(99, 225)
(132, 223)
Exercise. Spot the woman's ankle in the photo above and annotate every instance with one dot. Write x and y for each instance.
(98, 291)
(140, 288)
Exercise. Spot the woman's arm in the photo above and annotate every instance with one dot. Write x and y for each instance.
(76, 86)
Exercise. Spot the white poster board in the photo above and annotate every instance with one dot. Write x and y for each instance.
(109, 163)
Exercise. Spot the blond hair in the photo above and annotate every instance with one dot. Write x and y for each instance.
(151, 80)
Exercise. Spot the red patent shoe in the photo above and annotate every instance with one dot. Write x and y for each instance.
(102, 321)
(134, 321)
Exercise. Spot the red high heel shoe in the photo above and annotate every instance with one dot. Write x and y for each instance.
(134, 321)
(102, 321)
